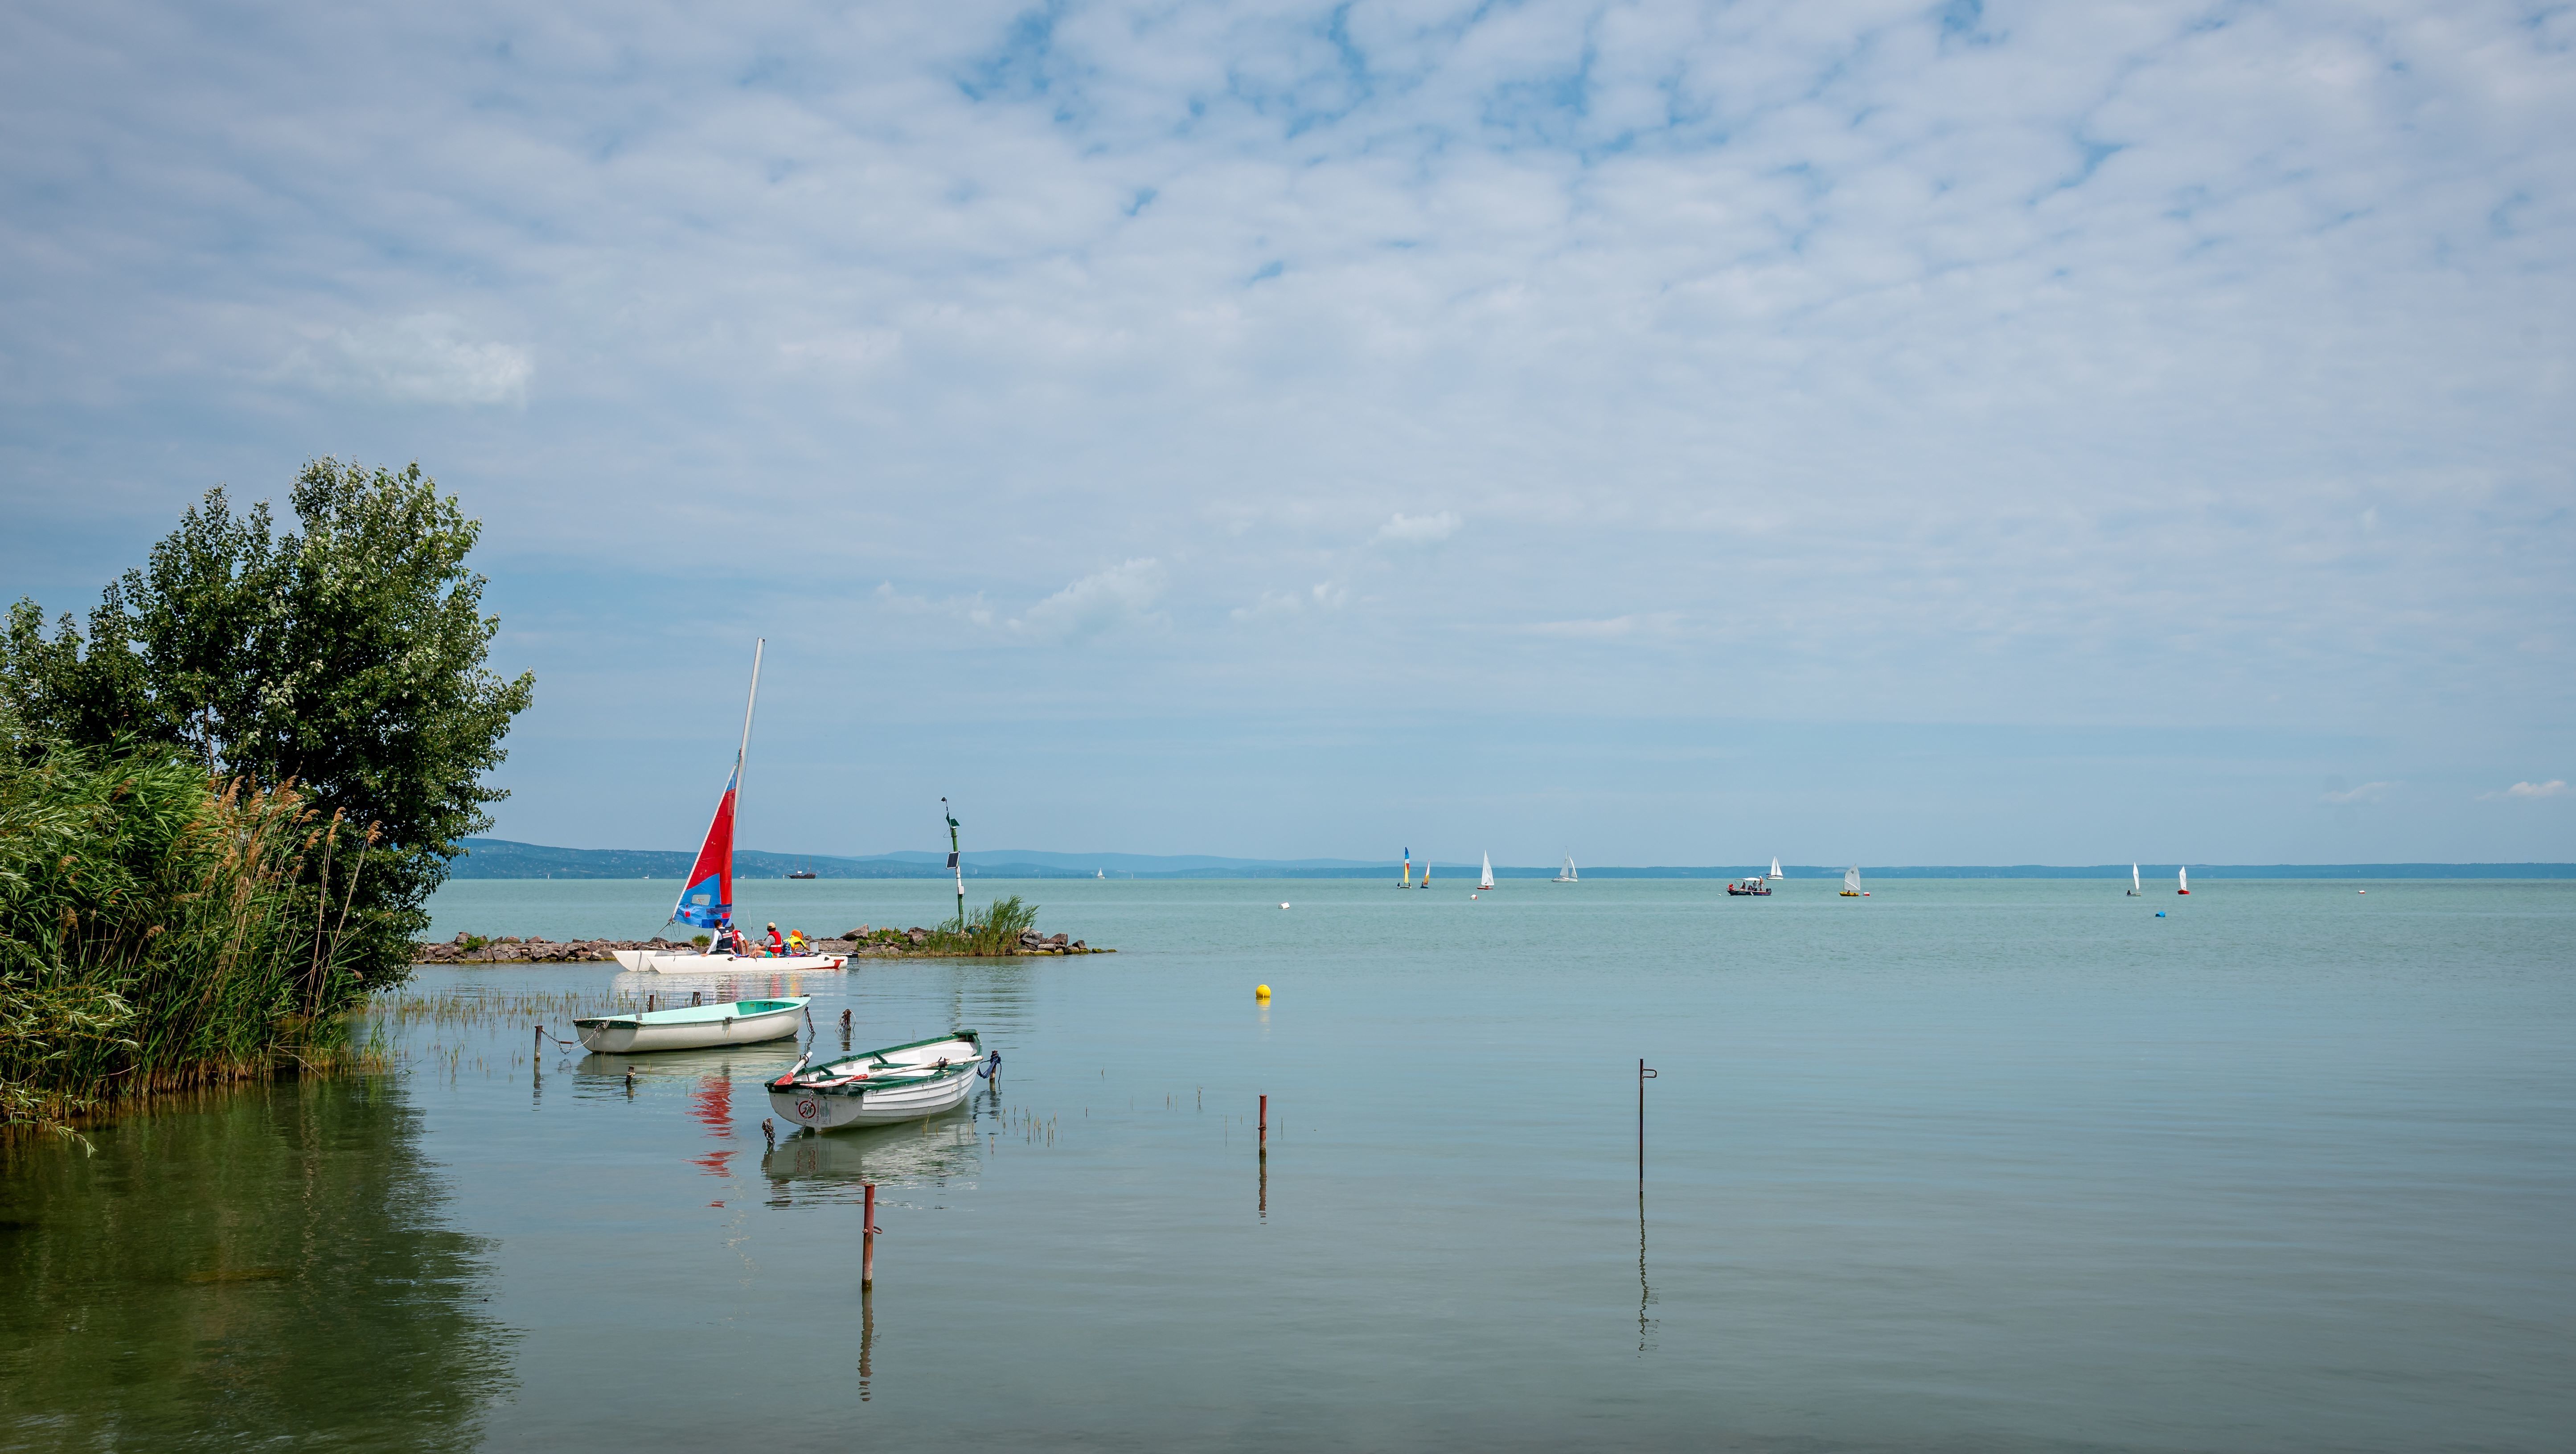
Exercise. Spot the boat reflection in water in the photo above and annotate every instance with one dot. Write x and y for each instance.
(813, 1170)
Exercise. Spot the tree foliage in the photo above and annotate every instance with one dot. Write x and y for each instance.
(345, 657)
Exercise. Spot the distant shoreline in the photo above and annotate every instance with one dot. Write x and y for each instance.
(492, 858)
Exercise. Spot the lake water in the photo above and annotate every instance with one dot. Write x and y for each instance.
(1991, 1165)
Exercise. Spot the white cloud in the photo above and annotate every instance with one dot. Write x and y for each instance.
(2555, 787)
(425, 358)
(1119, 598)
(2366, 793)
(1614, 628)
(1418, 529)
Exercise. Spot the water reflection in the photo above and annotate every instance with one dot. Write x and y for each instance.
(274, 1267)
(810, 1170)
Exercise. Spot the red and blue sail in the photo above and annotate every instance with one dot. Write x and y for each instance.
(706, 900)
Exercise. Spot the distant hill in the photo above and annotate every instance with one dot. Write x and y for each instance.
(501, 858)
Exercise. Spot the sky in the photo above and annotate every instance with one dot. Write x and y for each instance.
(1861, 432)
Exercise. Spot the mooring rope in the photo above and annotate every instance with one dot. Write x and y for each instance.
(542, 1035)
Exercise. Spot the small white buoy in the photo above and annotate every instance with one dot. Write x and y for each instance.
(1475, 896)
(2361, 891)
(1283, 905)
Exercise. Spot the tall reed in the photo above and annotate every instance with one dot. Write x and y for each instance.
(996, 933)
(160, 931)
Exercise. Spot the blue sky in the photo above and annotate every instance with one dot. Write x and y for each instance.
(1866, 432)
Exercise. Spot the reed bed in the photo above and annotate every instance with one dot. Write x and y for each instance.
(995, 934)
(161, 932)
(499, 1008)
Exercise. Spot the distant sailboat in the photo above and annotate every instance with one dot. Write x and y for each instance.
(2135, 887)
(1406, 881)
(1100, 873)
(1488, 880)
(1426, 872)
(1851, 884)
(2182, 880)
(1565, 875)
(1775, 867)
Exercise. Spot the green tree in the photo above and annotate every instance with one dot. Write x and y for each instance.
(346, 657)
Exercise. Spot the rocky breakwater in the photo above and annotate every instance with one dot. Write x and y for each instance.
(863, 942)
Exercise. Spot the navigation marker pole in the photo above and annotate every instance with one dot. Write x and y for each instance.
(955, 864)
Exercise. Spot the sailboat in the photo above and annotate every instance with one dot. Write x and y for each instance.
(1851, 884)
(1488, 880)
(1565, 875)
(1775, 867)
(2182, 880)
(1406, 881)
(1426, 872)
(1100, 873)
(706, 895)
(2135, 888)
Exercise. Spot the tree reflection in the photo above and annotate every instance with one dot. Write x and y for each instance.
(271, 1265)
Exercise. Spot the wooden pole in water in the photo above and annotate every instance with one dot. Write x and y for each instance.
(868, 1242)
(1265, 1125)
(1643, 1075)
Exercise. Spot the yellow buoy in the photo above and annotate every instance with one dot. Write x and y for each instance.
(1261, 992)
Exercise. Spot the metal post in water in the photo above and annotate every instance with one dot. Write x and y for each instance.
(868, 1242)
(955, 862)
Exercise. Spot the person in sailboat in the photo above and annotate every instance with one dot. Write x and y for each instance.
(777, 941)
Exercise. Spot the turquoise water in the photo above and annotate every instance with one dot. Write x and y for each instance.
(1963, 1165)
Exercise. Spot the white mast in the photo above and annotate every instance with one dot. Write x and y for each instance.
(744, 751)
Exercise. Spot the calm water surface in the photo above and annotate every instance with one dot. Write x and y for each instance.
(1964, 1165)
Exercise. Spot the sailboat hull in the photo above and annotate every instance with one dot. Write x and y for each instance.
(663, 961)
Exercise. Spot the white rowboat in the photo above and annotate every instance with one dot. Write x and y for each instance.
(689, 961)
(692, 1027)
(879, 1087)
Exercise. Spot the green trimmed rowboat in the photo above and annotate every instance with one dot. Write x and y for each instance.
(692, 1027)
(879, 1087)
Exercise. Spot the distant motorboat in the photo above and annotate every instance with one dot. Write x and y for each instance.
(1750, 887)
(802, 873)
(692, 1027)
(880, 1087)
(1565, 875)
(2182, 880)
(1487, 881)
(2135, 888)
(1851, 884)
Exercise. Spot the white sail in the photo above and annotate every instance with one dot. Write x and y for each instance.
(1488, 880)
(2182, 880)
(1775, 867)
(1851, 880)
(1566, 874)
(2133, 877)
